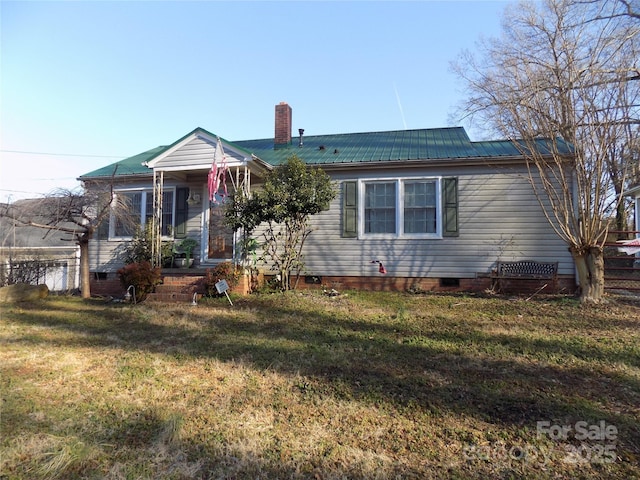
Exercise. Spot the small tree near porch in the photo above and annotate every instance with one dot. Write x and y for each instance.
(291, 194)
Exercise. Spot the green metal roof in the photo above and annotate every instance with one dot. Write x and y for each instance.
(367, 147)
(391, 146)
(128, 166)
(353, 148)
(136, 165)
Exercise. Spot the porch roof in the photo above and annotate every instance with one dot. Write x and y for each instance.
(139, 164)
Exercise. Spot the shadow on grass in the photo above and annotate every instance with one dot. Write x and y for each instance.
(502, 379)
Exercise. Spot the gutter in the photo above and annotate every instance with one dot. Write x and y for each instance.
(440, 162)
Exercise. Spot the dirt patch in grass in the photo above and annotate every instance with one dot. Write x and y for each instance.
(363, 385)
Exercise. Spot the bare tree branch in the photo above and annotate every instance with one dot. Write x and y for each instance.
(566, 71)
(77, 215)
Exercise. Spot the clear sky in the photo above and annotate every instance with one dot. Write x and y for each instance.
(86, 83)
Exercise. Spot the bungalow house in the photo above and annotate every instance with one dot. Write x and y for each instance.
(436, 209)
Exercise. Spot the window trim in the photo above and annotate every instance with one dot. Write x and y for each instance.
(143, 216)
(399, 231)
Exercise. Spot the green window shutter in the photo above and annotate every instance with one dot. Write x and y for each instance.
(349, 209)
(450, 207)
(182, 210)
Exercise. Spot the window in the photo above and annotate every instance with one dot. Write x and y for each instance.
(137, 210)
(380, 207)
(400, 207)
(420, 207)
(129, 216)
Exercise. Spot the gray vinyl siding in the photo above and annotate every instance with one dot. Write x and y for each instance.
(499, 219)
(196, 154)
(106, 255)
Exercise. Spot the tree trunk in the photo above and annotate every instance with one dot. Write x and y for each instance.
(85, 278)
(590, 266)
(284, 279)
(621, 222)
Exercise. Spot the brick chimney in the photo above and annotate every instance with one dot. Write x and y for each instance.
(283, 126)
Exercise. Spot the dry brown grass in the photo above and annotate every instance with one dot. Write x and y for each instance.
(365, 385)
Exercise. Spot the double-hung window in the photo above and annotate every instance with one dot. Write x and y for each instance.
(380, 207)
(401, 207)
(135, 210)
(421, 207)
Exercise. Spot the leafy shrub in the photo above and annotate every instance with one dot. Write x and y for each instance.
(223, 271)
(142, 276)
(291, 193)
(187, 246)
(166, 253)
(140, 249)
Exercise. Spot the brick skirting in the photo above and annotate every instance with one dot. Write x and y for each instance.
(565, 284)
(109, 286)
(180, 286)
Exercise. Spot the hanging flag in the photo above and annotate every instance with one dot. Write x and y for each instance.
(213, 179)
(222, 180)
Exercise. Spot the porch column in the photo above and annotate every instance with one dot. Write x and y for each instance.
(156, 221)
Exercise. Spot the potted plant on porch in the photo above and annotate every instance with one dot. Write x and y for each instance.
(184, 249)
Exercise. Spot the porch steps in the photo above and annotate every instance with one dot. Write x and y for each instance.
(178, 287)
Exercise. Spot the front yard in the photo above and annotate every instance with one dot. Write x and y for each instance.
(362, 385)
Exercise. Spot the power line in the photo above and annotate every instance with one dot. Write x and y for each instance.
(61, 154)
(15, 191)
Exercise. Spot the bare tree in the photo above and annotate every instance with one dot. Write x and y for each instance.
(565, 71)
(629, 8)
(75, 215)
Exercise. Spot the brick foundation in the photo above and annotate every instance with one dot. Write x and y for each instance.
(180, 286)
(109, 286)
(419, 284)
(398, 284)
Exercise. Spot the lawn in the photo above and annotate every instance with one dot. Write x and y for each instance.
(362, 385)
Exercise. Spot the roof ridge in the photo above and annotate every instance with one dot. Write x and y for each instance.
(402, 130)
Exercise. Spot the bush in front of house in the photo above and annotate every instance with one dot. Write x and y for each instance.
(140, 249)
(223, 271)
(142, 276)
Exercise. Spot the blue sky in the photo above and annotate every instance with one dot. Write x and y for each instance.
(86, 83)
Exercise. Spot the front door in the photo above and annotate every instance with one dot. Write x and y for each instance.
(220, 237)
